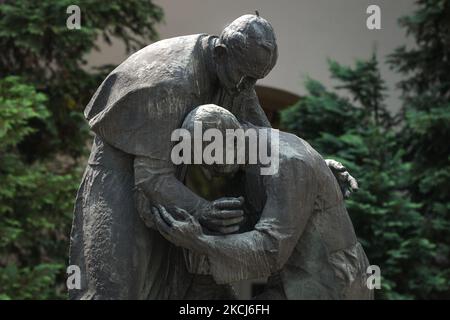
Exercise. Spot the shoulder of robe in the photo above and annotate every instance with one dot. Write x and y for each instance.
(296, 157)
(144, 99)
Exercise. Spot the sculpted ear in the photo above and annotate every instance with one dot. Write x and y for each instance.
(220, 52)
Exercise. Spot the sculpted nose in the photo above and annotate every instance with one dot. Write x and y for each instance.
(246, 83)
(251, 81)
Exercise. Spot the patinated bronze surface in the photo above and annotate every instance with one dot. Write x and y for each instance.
(114, 239)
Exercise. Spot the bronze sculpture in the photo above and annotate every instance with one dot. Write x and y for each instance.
(133, 114)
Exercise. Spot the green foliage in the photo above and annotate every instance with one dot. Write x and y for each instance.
(34, 202)
(426, 131)
(43, 134)
(37, 45)
(401, 212)
(19, 103)
(29, 283)
(358, 132)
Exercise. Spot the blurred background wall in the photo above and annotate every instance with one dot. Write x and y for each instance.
(308, 32)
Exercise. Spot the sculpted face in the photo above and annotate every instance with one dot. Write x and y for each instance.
(233, 74)
(245, 52)
(213, 117)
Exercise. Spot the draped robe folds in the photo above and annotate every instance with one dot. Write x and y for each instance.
(133, 114)
(303, 239)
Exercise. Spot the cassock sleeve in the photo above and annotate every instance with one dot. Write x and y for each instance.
(266, 249)
(158, 181)
(139, 120)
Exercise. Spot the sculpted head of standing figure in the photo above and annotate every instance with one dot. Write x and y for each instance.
(245, 51)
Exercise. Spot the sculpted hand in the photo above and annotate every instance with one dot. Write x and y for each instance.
(223, 215)
(347, 183)
(178, 227)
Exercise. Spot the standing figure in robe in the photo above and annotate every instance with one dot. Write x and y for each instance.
(133, 114)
